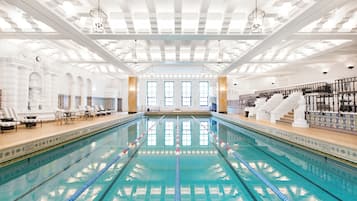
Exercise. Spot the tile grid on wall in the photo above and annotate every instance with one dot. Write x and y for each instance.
(338, 151)
(21, 150)
(342, 121)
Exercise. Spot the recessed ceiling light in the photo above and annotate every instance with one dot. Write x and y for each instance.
(350, 67)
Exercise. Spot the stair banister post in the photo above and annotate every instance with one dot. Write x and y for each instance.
(299, 114)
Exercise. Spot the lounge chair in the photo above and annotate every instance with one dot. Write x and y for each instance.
(107, 111)
(89, 111)
(98, 111)
(29, 120)
(7, 123)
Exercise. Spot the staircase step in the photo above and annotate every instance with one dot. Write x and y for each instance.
(287, 119)
(289, 116)
(281, 121)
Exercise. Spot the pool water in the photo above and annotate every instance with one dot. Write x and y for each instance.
(192, 164)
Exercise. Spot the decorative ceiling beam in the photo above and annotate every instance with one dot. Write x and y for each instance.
(203, 16)
(171, 37)
(231, 6)
(310, 14)
(153, 20)
(178, 11)
(42, 13)
(177, 50)
(162, 50)
(127, 17)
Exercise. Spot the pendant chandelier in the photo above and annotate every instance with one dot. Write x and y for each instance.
(256, 19)
(98, 18)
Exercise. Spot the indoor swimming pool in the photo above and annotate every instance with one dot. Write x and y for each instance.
(178, 158)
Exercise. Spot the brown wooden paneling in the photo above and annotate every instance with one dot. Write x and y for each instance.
(222, 94)
(132, 94)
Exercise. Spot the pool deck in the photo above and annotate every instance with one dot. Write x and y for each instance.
(16, 144)
(26, 141)
(338, 144)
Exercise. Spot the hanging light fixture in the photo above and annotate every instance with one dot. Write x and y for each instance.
(256, 18)
(98, 19)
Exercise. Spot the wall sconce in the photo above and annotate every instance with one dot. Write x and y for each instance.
(132, 88)
(222, 88)
(325, 72)
(350, 67)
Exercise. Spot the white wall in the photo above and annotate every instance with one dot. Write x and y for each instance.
(302, 76)
(142, 91)
(14, 82)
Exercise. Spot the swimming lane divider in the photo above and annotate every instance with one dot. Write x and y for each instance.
(246, 164)
(102, 171)
(250, 168)
(178, 151)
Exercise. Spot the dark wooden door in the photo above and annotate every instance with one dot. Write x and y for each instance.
(119, 105)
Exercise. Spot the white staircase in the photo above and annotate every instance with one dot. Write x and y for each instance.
(258, 104)
(287, 105)
(264, 111)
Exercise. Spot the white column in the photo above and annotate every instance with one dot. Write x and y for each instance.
(22, 89)
(299, 114)
(47, 92)
(54, 92)
(10, 81)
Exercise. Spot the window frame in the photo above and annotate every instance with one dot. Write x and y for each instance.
(186, 97)
(150, 98)
(169, 97)
(204, 97)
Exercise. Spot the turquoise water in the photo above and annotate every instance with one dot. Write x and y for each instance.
(206, 170)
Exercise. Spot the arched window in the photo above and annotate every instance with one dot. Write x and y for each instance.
(35, 91)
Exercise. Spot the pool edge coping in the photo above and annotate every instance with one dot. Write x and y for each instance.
(13, 154)
(323, 148)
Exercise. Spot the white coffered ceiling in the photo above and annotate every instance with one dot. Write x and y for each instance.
(199, 37)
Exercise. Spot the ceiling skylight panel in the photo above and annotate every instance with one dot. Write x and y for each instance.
(251, 68)
(185, 53)
(333, 20)
(44, 27)
(243, 68)
(111, 69)
(226, 57)
(189, 22)
(238, 22)
(258, 57)
(190, 6)
(166, 22)
(128, 56)
(141, 54)
(199, 53)
(285, 9)
(282, 54)
(68, 8)
(21, 22)
(310, 27)
(4, 25)
(164, 6)
(213, 54)
(103, 69)
(117, 22)
(350, 24)
(214, 22)
(141, 22)
(155, 53)
(170, 53)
